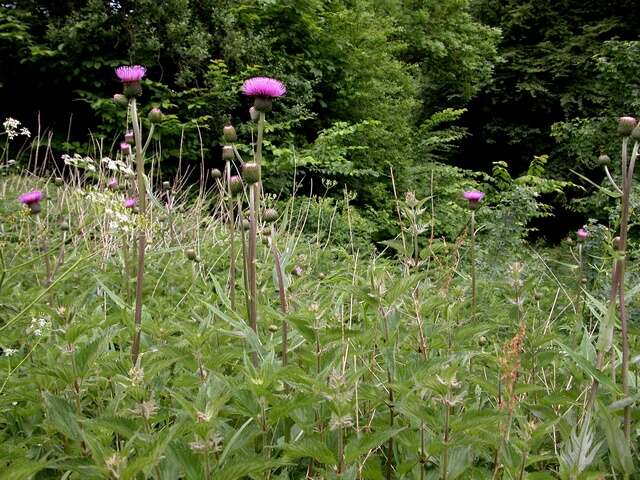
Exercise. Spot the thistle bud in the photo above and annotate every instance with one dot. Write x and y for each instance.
(235, 185)
(251, 172)
(191, 254)
(321, 275)
(58, 181)
(64, 226)
(166, 185)
(155, 115)
(245, 224)
(215, 173)
(604, 160)
(254, 114)
(626, 126)
(270, 215)
(120, 99)
(229, 133)
(129, 137)
(273, 328)
(227, 152)
(112, 184)
(482, 341)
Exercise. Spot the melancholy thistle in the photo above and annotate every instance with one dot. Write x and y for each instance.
(112, 184)
(130, 203)
(474, 197)
(32, 200)
(264, 90)
(131, 76)
(582, 234)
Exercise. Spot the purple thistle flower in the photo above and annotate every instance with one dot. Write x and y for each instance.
(582, 234)
(473, 196)
(125, 147)
(30, 198)
(130, 73)
(112, 183)
(264, 87)
(130, 203)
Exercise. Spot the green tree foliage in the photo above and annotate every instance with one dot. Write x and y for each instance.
(376, 69)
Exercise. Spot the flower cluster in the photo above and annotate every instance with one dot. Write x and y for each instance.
(12, 128)
(39, 327)
(117, 166)
(78, 161)
(9, 352)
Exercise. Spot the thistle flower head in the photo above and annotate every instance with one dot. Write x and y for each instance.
(264, 87)
(582, 234)
(112, 183)
(32, 197)
(125, 148)
(473, 196)
(130, 73)
(130, 203)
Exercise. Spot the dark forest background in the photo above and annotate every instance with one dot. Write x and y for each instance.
(420, 88)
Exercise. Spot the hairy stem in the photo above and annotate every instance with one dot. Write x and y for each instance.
(142, 239)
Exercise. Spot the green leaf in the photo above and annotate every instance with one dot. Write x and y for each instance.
(361, 446)
(312, 448)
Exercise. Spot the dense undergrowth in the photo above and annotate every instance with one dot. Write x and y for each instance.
(392, 371)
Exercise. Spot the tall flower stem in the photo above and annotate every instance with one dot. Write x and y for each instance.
(252, 261)
(284, 305)
(232, 239)
(627, 178)
(254, 205)
(473, 264)
(135, 348)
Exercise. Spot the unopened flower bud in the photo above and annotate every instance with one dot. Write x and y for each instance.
(235, 185)
(604, 160)
(64, 226)
(270, 215)
(273, 328)
(245, 224)
(166, 185)
(321, 275)
(227, 152)
(155, 115)
(191, 254)
(250, 172)
(482, 341)
(229, 133)
(120, 99)
(537, 295)
(58, 181)
(215, 173)
(254, 114)
(626, 125)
